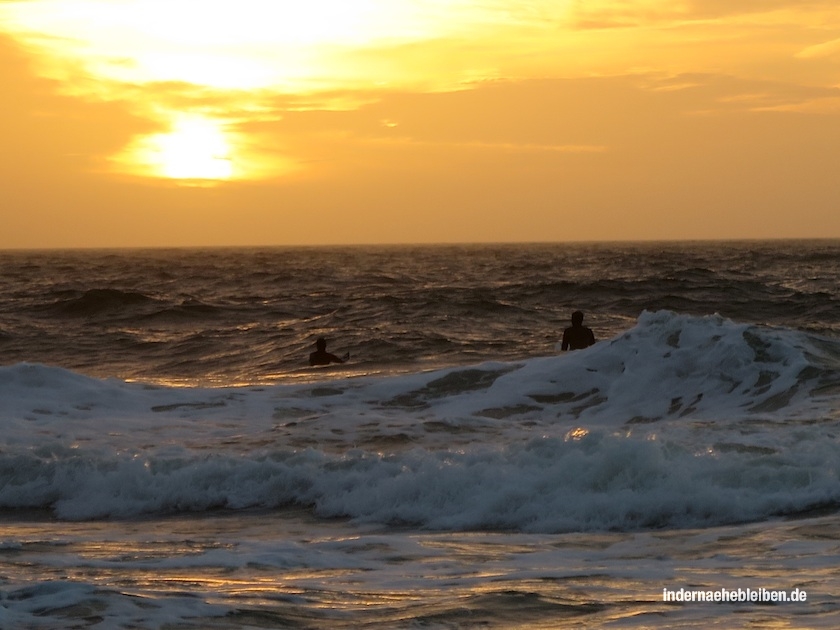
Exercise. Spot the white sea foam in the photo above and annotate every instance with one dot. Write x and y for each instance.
(680, 421)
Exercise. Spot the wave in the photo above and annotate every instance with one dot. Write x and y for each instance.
(680, 421)
(594, 482)
(187, 310)
(98, 301)
(118, 305)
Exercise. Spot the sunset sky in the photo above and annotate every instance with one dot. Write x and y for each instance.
(268, 122)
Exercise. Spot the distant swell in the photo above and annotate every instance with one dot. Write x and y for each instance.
(187, 310)
(99, 301)
(394, 309)
(139, 309)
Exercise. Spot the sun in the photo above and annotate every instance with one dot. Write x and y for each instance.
(196, 148)
(207, 69)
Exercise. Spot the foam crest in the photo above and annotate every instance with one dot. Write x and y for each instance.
(588, 481)
(680, 421)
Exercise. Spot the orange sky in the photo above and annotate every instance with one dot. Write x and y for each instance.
(175, 122)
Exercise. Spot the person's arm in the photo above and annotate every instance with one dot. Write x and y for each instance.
(565, 345)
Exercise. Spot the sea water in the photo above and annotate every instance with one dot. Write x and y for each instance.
(168, 459)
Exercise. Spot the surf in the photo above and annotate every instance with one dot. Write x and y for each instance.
(680, 421)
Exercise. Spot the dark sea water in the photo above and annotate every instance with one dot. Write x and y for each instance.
(225, 316)
(169, 460)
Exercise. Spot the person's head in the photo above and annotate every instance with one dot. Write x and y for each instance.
(321, 344)
(577, 318)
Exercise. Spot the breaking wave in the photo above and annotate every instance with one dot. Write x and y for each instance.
(681, 421)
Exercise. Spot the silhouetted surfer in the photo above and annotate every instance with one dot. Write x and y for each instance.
(577, 336)
(322, 357)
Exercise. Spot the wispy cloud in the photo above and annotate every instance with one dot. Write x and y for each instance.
(819, 51)
(238, 65)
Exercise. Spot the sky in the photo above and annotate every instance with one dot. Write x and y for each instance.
(134, 123)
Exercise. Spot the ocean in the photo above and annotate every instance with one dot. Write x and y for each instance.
(169, 460)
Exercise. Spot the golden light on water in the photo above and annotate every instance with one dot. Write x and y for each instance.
(578, 433)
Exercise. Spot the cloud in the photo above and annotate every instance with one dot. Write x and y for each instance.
(821, 51)
(610, 157)
(541, 99)
(646, 13)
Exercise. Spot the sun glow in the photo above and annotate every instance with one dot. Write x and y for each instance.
(197, 66)
(250, 44)
(168, 59)
(205, 70)
(195, 149)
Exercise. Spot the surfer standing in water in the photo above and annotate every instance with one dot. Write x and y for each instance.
(322, 357)
(577, 336)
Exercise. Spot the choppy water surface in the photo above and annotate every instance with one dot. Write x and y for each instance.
(168, 460)
(224, 316)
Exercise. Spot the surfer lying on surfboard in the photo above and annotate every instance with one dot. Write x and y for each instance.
(322, 357)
